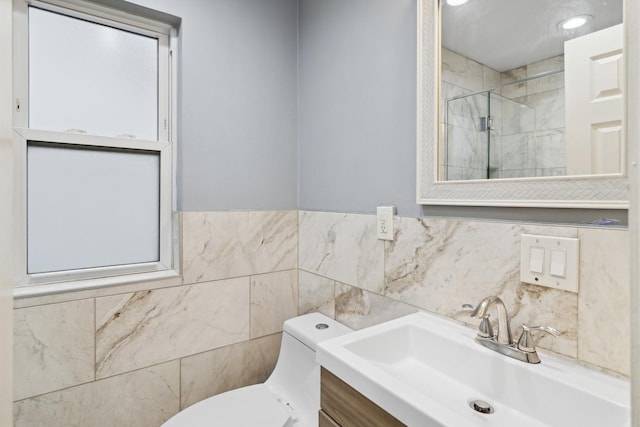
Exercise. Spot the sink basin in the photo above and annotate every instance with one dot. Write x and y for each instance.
(426, 371)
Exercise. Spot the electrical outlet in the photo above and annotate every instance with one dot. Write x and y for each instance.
(384, 223)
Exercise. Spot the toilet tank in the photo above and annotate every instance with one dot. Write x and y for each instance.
(296, 377)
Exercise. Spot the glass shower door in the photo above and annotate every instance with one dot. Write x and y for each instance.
(467, 137)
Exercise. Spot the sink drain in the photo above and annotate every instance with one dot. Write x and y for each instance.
(481, 406)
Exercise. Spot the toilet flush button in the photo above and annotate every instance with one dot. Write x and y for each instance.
(322, 326)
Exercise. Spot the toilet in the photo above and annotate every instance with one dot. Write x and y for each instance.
(291, 395)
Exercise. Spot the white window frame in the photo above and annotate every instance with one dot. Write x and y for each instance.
(61, 281)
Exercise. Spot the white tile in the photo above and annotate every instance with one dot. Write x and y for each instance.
(604, 307)
(274, 299)
(342, 247)
(227, 368)
(551, 149)
(461, 71)
(145, 328)
(222, 245)
(147, 397)
(316, 294)
(549, 107)
(53, 347)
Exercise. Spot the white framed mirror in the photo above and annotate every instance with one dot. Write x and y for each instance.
(528, 129)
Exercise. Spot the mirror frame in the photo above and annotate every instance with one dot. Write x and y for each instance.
(588, 191)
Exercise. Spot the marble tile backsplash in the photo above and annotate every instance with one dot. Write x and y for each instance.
(137, 357)
(439, 264)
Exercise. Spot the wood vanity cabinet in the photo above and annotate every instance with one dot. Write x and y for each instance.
(342, 406)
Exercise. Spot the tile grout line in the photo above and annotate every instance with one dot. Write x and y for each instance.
(95, 339)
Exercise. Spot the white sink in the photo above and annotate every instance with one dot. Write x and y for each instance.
(424, 370)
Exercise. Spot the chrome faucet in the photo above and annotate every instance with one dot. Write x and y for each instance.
(502, 342)
(504, 329)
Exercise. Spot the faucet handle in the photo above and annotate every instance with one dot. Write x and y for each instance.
(485, 330)
(526, 342)
(469, 307)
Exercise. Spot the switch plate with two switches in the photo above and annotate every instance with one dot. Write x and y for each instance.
(384, 222)
(549, 261)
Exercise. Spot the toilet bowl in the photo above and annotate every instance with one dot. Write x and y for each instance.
(291, 395)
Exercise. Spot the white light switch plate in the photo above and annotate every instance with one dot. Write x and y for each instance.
(384, 223)
(550, 277)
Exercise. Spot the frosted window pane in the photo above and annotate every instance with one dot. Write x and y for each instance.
(91, 208)
(89, 76)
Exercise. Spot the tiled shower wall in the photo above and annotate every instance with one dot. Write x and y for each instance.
(135, 358)
(528, 137)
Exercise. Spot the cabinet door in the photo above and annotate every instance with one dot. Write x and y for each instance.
(348, 408)
(325, 421)
(594, 86)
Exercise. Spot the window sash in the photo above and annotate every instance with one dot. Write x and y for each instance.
(101, 15)
(165, 150)
(64, 281)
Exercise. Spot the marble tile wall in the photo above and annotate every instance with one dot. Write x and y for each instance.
(136, 358)
(439, 264)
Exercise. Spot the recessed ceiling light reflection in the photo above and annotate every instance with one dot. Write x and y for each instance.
(456, 2)
(575, 22)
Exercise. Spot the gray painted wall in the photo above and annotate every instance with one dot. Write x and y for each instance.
(357, 84)
(237, 102)
(307, 104)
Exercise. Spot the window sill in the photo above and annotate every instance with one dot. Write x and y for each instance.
(28, 296)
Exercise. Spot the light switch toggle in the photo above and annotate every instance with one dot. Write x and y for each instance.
(536, 260)
(558, 261)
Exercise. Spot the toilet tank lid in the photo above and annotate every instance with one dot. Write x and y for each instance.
(309, 328)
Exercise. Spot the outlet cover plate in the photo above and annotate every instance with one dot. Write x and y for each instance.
(384, 222)
(552, 246)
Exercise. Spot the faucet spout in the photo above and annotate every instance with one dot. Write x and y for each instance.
(504, 329)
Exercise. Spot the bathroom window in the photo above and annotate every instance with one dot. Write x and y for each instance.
(95, 143)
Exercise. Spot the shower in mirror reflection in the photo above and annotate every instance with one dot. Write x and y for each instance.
(508, 107)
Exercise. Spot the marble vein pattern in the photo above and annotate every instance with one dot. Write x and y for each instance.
(554, 81)
(549, 108)
(53, 347)
(316, 294)
(359, 309)
(604, 307)
(342, 247)
(142, 398)
(227, 368)
(144, 328)
(222, 245)
(461, 71)
(550, 149)
(438, 265)
(274, 299)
